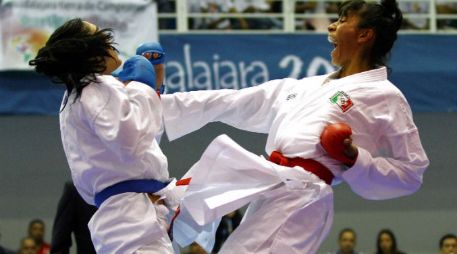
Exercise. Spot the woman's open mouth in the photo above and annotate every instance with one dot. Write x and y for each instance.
(332, 41)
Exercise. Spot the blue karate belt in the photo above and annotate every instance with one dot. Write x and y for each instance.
(137, 186)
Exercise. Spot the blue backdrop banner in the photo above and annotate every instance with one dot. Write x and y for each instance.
(424, 67)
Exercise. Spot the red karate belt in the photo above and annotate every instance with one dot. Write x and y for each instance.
(309, 165)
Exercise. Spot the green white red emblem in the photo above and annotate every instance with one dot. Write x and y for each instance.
(342, 100)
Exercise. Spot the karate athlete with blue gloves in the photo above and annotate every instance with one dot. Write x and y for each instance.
(108, 131)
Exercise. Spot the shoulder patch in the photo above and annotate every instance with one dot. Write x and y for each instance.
(342, 100)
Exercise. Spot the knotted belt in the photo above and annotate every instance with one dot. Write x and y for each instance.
(138, 186)
(309, 165)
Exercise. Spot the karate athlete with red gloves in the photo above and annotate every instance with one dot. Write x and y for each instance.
(309, 123)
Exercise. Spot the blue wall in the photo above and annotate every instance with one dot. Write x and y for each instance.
(424, 68)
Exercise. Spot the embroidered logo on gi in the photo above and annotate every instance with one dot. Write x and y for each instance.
(291, 96)
(342, 100)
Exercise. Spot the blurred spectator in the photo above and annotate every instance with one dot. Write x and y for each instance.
(194, 248)
(386, 243)
(4, 250)
(28, 246)
(415, 8)
(218, 7)
(347, 240)
(305, 7)
(275, 6)
(446, 7)
(448, 244)
(73, 214)
(213, 7)
(228, 224)
(255, 6)
(194, 6)
(319, 23)
(251, 6)
(36, 232)
(166, 6)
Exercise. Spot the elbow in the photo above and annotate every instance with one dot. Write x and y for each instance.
(412, 186)
(390, 190)
(414, 182)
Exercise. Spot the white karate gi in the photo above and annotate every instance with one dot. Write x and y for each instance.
(108, 137)
(390, 163)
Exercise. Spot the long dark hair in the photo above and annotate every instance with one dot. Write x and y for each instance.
(73, 55)
(384, 18)
(394, 241)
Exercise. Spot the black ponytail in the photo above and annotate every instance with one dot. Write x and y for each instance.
(391, 10)
(384, 18)
(73, 55)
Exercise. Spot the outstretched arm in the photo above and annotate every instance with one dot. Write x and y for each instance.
(251, 109)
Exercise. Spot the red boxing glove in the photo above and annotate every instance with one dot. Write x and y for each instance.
(332, 139)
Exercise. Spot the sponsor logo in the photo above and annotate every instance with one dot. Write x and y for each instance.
(291, 96)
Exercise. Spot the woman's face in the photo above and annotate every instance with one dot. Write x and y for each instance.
(113, 62)
(386, 243)
(344, 35)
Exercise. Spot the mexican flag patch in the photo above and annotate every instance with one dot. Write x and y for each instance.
(342, 100)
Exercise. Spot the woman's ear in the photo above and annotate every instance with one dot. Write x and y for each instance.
(366, 35)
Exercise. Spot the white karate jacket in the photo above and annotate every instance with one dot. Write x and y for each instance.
(108, 135)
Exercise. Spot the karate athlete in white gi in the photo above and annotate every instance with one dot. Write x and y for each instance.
(108, 131)
(291, 204)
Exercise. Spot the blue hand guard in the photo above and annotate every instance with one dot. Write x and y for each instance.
(138, 68)
(153, 51)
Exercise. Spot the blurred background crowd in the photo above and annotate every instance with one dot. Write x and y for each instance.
(307, 15)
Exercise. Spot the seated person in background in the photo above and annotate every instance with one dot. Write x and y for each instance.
(321, 8)
(217, 7)
(72, 216)
(386, 243)
(446, 7)
(194, 248)
(213, 7)
(3, 250)
(166, 6)
(28, 246)
(448, 244)
(415, 8)
(254, 6)
(228, 224)
(313, 7)
(347, 240)
(36, 232)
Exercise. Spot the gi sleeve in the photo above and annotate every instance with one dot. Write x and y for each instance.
(251, 109)
(129, 120)
(399, 171)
